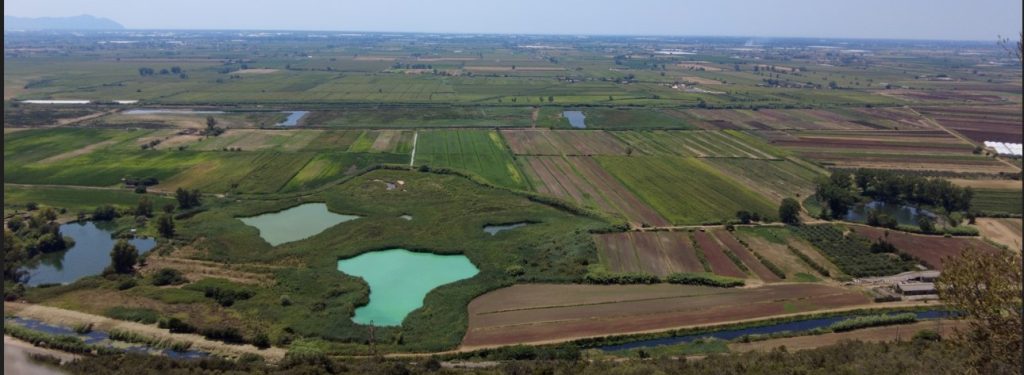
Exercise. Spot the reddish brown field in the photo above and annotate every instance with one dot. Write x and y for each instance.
(535, 313)
(720, 263)
(807, 119)
(746, 256)
(929, 249)
(563, 142)
(990, 123)
(656, 253)
(582, 180)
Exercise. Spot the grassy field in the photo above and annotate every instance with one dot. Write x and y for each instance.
(321, 297)
(997, 201)
(476, 151)
(685, 190)
(73, 199)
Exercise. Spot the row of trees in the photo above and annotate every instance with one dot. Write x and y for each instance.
(890, 187)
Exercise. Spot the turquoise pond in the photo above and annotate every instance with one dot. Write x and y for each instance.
(296, 223)
(400, 279)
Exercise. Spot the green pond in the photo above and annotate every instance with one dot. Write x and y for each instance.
(296, 223)
(399, 279)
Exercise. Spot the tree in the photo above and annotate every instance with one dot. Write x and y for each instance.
(926, 223)
(165, 225)
(211, 124)
(144, 208)
(551, 99)
(188, 198)
(744, 216)
(104, 213)
(789, 211)
(986, 288)
(123, 257)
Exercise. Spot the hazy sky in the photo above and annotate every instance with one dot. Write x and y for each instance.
(910, 19)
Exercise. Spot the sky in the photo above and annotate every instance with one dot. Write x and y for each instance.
(884, 19)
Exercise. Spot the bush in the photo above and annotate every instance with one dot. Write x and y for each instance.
(927, 335)
(602, 277)
(104, 213)
(175, 325)
(133, 314)
(706, 279)
(872, 321)
(168, 276)
(261, 340)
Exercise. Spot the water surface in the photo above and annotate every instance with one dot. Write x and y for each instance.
(905, 215)
(296, 223)
(89, 255)
(399, 279)
(293, 118)
(732, 334)
(495, 229)
(575, 119)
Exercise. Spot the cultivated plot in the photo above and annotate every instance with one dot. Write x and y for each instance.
(533, 313)
(480, 152)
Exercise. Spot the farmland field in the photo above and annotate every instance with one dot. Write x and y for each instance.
(983, 123)
(460, 145)
(544, 313)
(476, 151)
(655, 253)
(932, 250)
(684, 190)
(584, 181)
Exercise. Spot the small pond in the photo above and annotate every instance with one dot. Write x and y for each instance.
(169, 112)
(296, 223)
(89, 256)
(575, 119)
(905, 215)
(293, 118)
(495, 229)
(400, 279)
(732, 334)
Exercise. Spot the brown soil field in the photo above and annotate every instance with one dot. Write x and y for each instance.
(582, 180)
(1004, 231)
(712, 250)
(656, 253)
(981, 123)
(902, 332)
(988, 184)
(536, 313)
(929, 249)
(746, 256)
(778, 254)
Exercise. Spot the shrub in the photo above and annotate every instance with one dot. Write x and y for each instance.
(133, 314)
(168, 276)
(707, 279)
(104, 213)
(603, 277)
(872, 321)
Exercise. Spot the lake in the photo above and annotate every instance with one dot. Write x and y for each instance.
(400, 279)
(495, 229)
(293, 118)
(296, 223)
(575, 119)
(905, 215)
(88, 257)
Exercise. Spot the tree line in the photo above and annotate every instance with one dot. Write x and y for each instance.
(840, 191)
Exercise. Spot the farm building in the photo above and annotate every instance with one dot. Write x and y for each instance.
(916, 289)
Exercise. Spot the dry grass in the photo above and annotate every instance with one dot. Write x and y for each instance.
(1003, 231)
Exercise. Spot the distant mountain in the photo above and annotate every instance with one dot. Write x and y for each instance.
(83, 22)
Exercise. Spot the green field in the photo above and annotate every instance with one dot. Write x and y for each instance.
(479, 152)
(73, 199)
(685, 190)
(997, 201)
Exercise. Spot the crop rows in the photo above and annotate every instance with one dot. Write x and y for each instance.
(852, 254)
